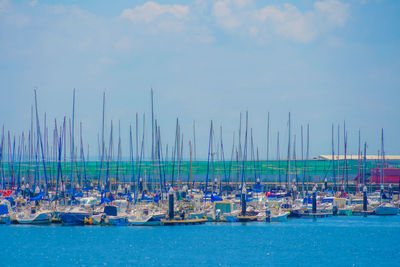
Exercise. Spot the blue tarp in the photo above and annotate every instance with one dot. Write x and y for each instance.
(3, 209)
(11, 200)
(105, 200)
(258, 188)
(215, 198)
(38, 197)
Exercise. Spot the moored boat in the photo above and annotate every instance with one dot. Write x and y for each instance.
(74, 216)
(32, 216)
(387, 209)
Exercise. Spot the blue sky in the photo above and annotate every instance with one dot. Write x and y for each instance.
(325, 61)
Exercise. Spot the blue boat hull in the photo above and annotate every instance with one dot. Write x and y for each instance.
(74, 218)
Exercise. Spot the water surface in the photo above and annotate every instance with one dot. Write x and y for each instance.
(334, 241)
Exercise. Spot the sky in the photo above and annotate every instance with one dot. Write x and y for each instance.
(326, 62)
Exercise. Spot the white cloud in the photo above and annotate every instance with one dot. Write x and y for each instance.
(34, 3)
(150, 11)
(224, 16)
(242, 3)
(286, 20)
(333, 11)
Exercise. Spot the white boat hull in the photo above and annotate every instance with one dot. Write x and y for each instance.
(279, 217)
(41, 218)
(387, 211)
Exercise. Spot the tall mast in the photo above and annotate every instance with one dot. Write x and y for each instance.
(190, 166)
(383, 159)
(223, 162)
(244, 153)
(288, 162)
(333, 159)
(174, 152)
(358, 159)
(137, 137)
(194, 140)
(102, 140)
(240, 136)
(253, 161)
(268, 138)
(73, 136)
(307, 155)
(208, 157)
(365, 163)
(338, 152)
(40, 138)
(10, 159)
(302, 159)
(278, 157)
(131, 158)
(232, 157)
(294, 159)
(143, 148)
(345, 152)
(151, 171)
(152, 127)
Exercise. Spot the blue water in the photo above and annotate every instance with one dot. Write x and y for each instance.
(335, 241)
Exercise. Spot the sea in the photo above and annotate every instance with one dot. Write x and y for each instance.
(333, 241)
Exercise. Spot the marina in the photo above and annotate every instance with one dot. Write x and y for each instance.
(199, 133)
(39, 187)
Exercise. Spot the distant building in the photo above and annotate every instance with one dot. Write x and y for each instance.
(390, 158)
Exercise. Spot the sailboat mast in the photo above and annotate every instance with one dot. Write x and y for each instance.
(41, 143)
(278, 157)
(333, 160)
(288, 159)
(268, 138)
(358, 159)
(244, 153)
(208, 156)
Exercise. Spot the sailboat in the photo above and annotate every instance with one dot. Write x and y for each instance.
(385, 208)
(34, 215)
(274, 212)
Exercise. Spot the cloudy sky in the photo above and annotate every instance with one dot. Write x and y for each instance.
(326, 62)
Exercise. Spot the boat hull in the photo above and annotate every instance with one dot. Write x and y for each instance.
(43, 218)
(386, 211)
(5, 219)
(154, 220)
(279, 218)
(73, 218)
(118, 220)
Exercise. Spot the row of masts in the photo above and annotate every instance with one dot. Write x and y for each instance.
(36, 150)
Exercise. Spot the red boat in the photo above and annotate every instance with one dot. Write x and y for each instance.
(391, 175)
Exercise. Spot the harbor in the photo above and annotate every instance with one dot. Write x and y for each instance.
(211, 133)
(40, 185)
